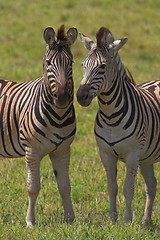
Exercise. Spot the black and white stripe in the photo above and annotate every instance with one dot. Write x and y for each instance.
(38, 118)
(127, 125)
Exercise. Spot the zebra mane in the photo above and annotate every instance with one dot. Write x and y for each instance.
(130, 77)
(61, 37)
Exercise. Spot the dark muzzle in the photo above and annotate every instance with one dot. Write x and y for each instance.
(83, 96)
(61, 95)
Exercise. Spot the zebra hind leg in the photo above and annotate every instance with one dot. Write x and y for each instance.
(60, 162)
(150, 188)
(33, 184)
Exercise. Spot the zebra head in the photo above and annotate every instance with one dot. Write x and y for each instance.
(58, 64)
(98, 65)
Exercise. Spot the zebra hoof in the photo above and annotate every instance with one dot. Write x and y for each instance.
(113, 217)
(30, 224)
(146, 222)
(70, 220)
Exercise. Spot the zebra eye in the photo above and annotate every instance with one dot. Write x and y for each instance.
(48, 62)
(83, 65)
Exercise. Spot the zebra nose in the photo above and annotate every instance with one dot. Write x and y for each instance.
(61, 95)
(83, 95)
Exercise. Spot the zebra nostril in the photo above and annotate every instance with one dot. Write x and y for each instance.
(55, 95)
(85, 97)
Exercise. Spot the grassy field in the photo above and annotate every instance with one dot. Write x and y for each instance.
(21, 54)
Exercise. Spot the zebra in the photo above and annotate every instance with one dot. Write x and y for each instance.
(38, 118)
(127, 125)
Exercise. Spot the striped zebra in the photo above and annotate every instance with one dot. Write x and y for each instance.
(38, 118)
(127, 125)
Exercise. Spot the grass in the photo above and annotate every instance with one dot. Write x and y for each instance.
(21, 52)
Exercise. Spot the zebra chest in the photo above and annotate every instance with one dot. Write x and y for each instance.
(116, 141)
(47, 138)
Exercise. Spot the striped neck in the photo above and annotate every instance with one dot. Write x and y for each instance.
(113, 100)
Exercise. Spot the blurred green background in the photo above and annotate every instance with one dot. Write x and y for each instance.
(21, 55)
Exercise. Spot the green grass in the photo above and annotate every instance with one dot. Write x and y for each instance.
(21, 53)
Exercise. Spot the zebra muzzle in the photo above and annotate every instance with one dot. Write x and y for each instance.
(61, 96)
(84, 97)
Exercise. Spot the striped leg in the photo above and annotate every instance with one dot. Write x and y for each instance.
(33, 183)
(110, 165)
(131, 172)
(60, 161)
(150, 187)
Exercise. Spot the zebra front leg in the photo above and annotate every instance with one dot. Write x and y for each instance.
(60, 161)
(33, 184)
(110, 165)
(150, 187)
(131, 172)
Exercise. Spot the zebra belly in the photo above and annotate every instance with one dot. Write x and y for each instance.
(120, 150)
(48, 140)
(127, 147)
(150, 155)
(10, 144)
(42, 147)
(8, 149)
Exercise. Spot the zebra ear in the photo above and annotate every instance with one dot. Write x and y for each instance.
(72, 34)
(104, 36)
(49, 36)
(117, 44)
(88, 43)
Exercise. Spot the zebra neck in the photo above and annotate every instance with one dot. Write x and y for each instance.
(114, 100)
